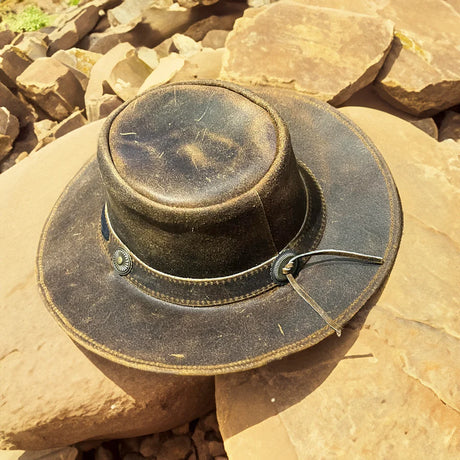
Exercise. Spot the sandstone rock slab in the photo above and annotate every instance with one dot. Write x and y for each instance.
(130, 10)
(79, 61)
(205, 65)
(52, 86)
(128, 75)
(9, 130)
(422, 72)
(6, 37)
(55, 130)
(199, 29)
(54, 393)
(215, 39)
(324, 52)
(17, 107)
(77, 25)
(185, 45)
(450, 126)
(368, 97)
(33, 44)
(100, 73)
(392, 380)
(13, 62)
(166, 70)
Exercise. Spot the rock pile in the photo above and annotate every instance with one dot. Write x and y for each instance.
(98, 55)
(104, 52)
(388, 385)
(197, 440)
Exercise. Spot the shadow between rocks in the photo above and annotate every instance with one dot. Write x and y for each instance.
(277, 386)
(166, 389)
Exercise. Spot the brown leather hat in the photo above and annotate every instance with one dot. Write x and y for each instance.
(219, 229)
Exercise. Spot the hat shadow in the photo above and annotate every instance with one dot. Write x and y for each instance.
(279, 385)
(142, 384)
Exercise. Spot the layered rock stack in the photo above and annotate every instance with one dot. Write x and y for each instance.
(388, 55)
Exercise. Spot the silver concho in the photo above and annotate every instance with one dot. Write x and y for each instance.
(122, 262)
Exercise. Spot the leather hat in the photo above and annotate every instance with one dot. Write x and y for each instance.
(219, 229)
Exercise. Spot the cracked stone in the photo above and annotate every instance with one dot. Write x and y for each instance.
(9, 130)
(52, 86)
(396, 366)
(327, 53)
(422, 72)
(13, 62)
(77, 25)
(52, 392)
(368, 97)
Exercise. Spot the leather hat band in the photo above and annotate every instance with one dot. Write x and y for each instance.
(212, 291)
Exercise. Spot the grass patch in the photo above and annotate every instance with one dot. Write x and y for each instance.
(29, 19)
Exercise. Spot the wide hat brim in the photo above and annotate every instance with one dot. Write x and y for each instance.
(108, 315)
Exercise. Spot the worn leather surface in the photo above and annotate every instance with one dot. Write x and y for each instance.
(111, 316)
(197, 175)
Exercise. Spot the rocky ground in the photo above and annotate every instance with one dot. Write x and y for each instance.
(99, 53)
(389, 55)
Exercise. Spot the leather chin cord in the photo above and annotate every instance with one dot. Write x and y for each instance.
(291, 265)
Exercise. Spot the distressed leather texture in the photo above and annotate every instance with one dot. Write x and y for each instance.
(112, 316)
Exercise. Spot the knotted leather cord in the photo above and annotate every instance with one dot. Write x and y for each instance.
(304, 294)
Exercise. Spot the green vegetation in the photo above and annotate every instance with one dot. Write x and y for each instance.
(29, 19)
(73, 2)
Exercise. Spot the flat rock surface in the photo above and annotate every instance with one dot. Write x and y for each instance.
(422, 72)
(368, 97)
(53, 393)
(390, 386)
(52, 86)
(327, 53)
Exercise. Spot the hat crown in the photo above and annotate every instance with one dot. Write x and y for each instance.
(195, 148)
(201, 179)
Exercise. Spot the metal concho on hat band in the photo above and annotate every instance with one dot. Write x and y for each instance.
(222, 290)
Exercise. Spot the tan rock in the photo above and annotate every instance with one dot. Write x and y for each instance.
(55, 130)
(79, 61)
(368, 97)
(192, 3)
(149, 56)
(204, 65)
(104, 106)
(450, 126)
(77, 25)
(17, 107)
(368, 7)
(166, 70)
(392, 379)
(100, 73)
(199, 29)
(131, 10)
(128, 75)
(150, 445)
(9, 130)
(177, 447)
(65, 453)
(326, 53)
(154, 27)
(185, 45)
(422, 72)
(6, 37)
(215, 39)
(13, 62)
(33, 44)
(53, 392)
(103, 42)
(52, 86)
